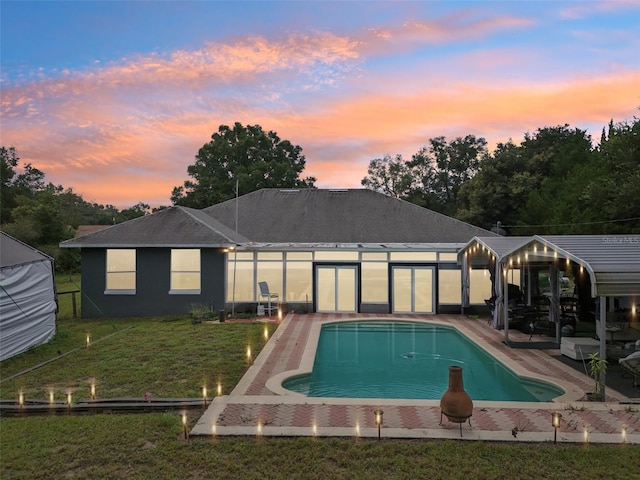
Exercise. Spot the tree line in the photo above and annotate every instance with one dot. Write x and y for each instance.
(42, 214)
(555, 181)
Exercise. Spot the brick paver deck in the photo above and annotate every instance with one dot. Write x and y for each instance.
(258, 406)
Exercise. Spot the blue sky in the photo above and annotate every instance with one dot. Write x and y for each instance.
(114, 99)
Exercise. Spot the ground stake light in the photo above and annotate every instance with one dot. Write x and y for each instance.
(379, 419)
(204, 395)
(93, 391)
(555, 421)
(184, 426)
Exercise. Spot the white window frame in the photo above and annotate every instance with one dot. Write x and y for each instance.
(173, 290)
(110, 271)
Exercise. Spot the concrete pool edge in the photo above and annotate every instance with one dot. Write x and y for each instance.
(250, 410)
(572, 393)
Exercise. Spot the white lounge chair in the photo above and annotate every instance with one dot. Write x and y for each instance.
(268, 301)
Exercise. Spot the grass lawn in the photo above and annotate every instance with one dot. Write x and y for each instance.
(171, 357)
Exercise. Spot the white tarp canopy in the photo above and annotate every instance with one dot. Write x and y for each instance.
(27, 297)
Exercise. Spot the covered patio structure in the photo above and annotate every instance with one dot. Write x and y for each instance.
(606, 269)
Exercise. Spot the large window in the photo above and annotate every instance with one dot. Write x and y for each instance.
(450, 286)
(479, 285)
(185, 270)
(298, 278)
(121, 271)
(269, 269)
(375, 282)
(241, 283)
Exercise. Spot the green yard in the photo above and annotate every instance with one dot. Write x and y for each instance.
(172, 357)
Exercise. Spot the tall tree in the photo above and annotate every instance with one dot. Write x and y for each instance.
(8, 163)
(613, 193)
(556, 159)
(391, 176)
(534, 187)
(254, 158)
(498, 191)
(443, 167)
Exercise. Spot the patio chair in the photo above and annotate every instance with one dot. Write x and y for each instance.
(631, 365)
(268, 302)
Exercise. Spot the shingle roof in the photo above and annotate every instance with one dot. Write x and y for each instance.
(171, 227)
(338, 216)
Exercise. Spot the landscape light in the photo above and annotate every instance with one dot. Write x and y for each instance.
(586, 434)
(204, 394)
(259, 428)
(69, 400)
(266, 332)
(51, 396)
(249, 353)
(219, 389)
(555, 422)
(315, 429)
(379, 419)
(357, 429)
(184, 425)
(20, 399)
(93, 391)
(624, 434)
(87, 342)
(279, 313)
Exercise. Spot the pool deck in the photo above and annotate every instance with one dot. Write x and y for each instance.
(259, 406)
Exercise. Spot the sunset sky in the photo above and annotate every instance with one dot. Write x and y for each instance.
(114, 99)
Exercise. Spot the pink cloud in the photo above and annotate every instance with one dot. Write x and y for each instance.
(126, 132)
(585, 9)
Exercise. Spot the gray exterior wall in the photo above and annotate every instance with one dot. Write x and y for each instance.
(153, 269)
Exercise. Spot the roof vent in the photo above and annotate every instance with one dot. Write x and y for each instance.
(290, 190)
(339, 190)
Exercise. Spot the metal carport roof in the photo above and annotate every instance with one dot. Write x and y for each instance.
(613, 261)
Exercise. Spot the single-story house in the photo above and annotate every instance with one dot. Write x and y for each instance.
(28, 302)
(321, 250)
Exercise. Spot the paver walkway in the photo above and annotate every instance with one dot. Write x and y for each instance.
(260, 406)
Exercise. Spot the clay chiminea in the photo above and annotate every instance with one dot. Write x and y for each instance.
(456, 404)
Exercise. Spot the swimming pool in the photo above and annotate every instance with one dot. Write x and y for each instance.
(401, 359)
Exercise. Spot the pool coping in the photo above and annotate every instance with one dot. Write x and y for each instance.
(275, 411)
(572, 393)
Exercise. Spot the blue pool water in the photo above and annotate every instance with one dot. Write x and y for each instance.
(395, 359)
